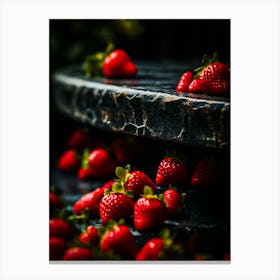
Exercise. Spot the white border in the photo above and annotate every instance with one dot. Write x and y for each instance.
(24, 137)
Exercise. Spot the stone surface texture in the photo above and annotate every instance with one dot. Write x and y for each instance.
(146, 105)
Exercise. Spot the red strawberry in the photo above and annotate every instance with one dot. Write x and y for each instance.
(149, 211)
(90, 236)
(116, 204)
(57, 247)
(90, 200)
(84, 173)
(161, 247)
(184, 82)
(99, 162)
(118, 64)
(69, 161)
(79, 139)
(77, 253)
(59, 228)
(119, 240)
(213, 76)
(173, 202)
(207, 173)
(54, 201)
(127, 149)
(122, 150)
(151, 250)
(96, 164)
(171, 172)
(134, 181)
(196, 86)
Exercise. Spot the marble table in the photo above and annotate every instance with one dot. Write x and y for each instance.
(146, 105)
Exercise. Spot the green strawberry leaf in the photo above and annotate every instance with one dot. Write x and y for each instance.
(205, 59)
(129, 193)
(120, 172)
(85, 159)
(93, 63)
(128, 167)
(107, 191)
(148, 190)
(170, 187)
(215, 57)
(121, 222)
(165, 233)
(117, 188)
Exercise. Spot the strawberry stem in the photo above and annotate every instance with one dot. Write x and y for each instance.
(206, 60)
(118, 187)
(148, 192)
(85, 159)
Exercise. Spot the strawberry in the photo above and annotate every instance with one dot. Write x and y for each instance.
(119, 240)
(77, 253)
(162, 247)
(54, 202)
(184, 82)
(122, 150)
(195, 86)
(173, 202)
(151, 250)
(60, 228)
(213, 76)
(69, 161)
(97, 164)
(84, 173)
(149, 211)
(207, 173)
(57, 247)
(79, 139)
(90, 236)
(101, 163)
(118, 64)
(116, 204)
(129, 148)
(90, 200)
(171, 172)
(134, 181)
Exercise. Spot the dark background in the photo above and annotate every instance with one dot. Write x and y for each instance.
(72, 40)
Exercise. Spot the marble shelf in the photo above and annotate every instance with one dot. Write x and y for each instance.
(146, 105)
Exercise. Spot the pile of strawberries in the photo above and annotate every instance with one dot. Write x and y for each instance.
(212, 78)
(129, 201)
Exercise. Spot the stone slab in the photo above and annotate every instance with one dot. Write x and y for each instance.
(146, 105)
